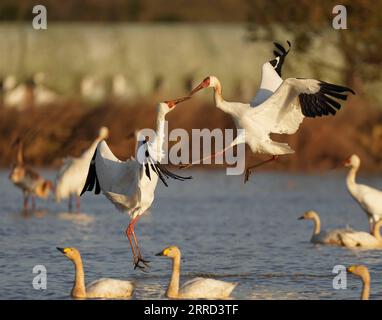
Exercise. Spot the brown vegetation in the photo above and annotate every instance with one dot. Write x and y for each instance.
(58, 131)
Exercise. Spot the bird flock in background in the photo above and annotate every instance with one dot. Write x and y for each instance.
(279, 106)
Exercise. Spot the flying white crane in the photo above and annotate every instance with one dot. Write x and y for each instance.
(270, 81)
(71, 177)
(281, 113)
(370, 199)
(130, 185)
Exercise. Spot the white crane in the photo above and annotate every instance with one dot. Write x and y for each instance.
(71, 177)
(281, 113)
(130, 185)
(370, 199)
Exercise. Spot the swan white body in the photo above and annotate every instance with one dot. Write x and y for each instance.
(109, 288)
(360, 239)
(370, 199)
(206, 288)
(101, 288)
(197, 288)
(71, 177)
(130, 185)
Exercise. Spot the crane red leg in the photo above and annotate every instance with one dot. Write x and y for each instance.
(248, 170)
(128, 234)
(136, 251)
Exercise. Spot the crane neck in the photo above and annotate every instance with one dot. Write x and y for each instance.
(160, 133)
(79, 290)
(173, 286)
(218, 97)
(350, 179)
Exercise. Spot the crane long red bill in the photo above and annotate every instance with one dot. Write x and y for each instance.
(172, 103)
(204, 84)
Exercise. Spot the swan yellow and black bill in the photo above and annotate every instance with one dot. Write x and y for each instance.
(350, 269)
(63, 250)
(163, 252)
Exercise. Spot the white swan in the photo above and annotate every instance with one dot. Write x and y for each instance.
(362, 272)
(361, 239)
(370, 199)
(71, 177)
(319, 236)
(197, 287)
(102, 288)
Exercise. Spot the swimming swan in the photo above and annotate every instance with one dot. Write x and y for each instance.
(361, 239)
(197, 287)
(331, 237)
(102, 288)
(362, 272)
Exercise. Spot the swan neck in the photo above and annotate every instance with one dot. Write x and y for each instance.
(377, 230)
(317, 225)
(173, 287)
(365, 288)
(78, 290)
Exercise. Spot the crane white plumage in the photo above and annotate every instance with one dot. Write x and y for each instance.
(281, 113)
(370, 199)
(71, 177)
(271, 75)
(130, 185)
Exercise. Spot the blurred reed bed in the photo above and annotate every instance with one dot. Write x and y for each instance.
(54, 132)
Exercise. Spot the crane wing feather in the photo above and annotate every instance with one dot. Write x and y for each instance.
(271, 75)
(295, 99)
